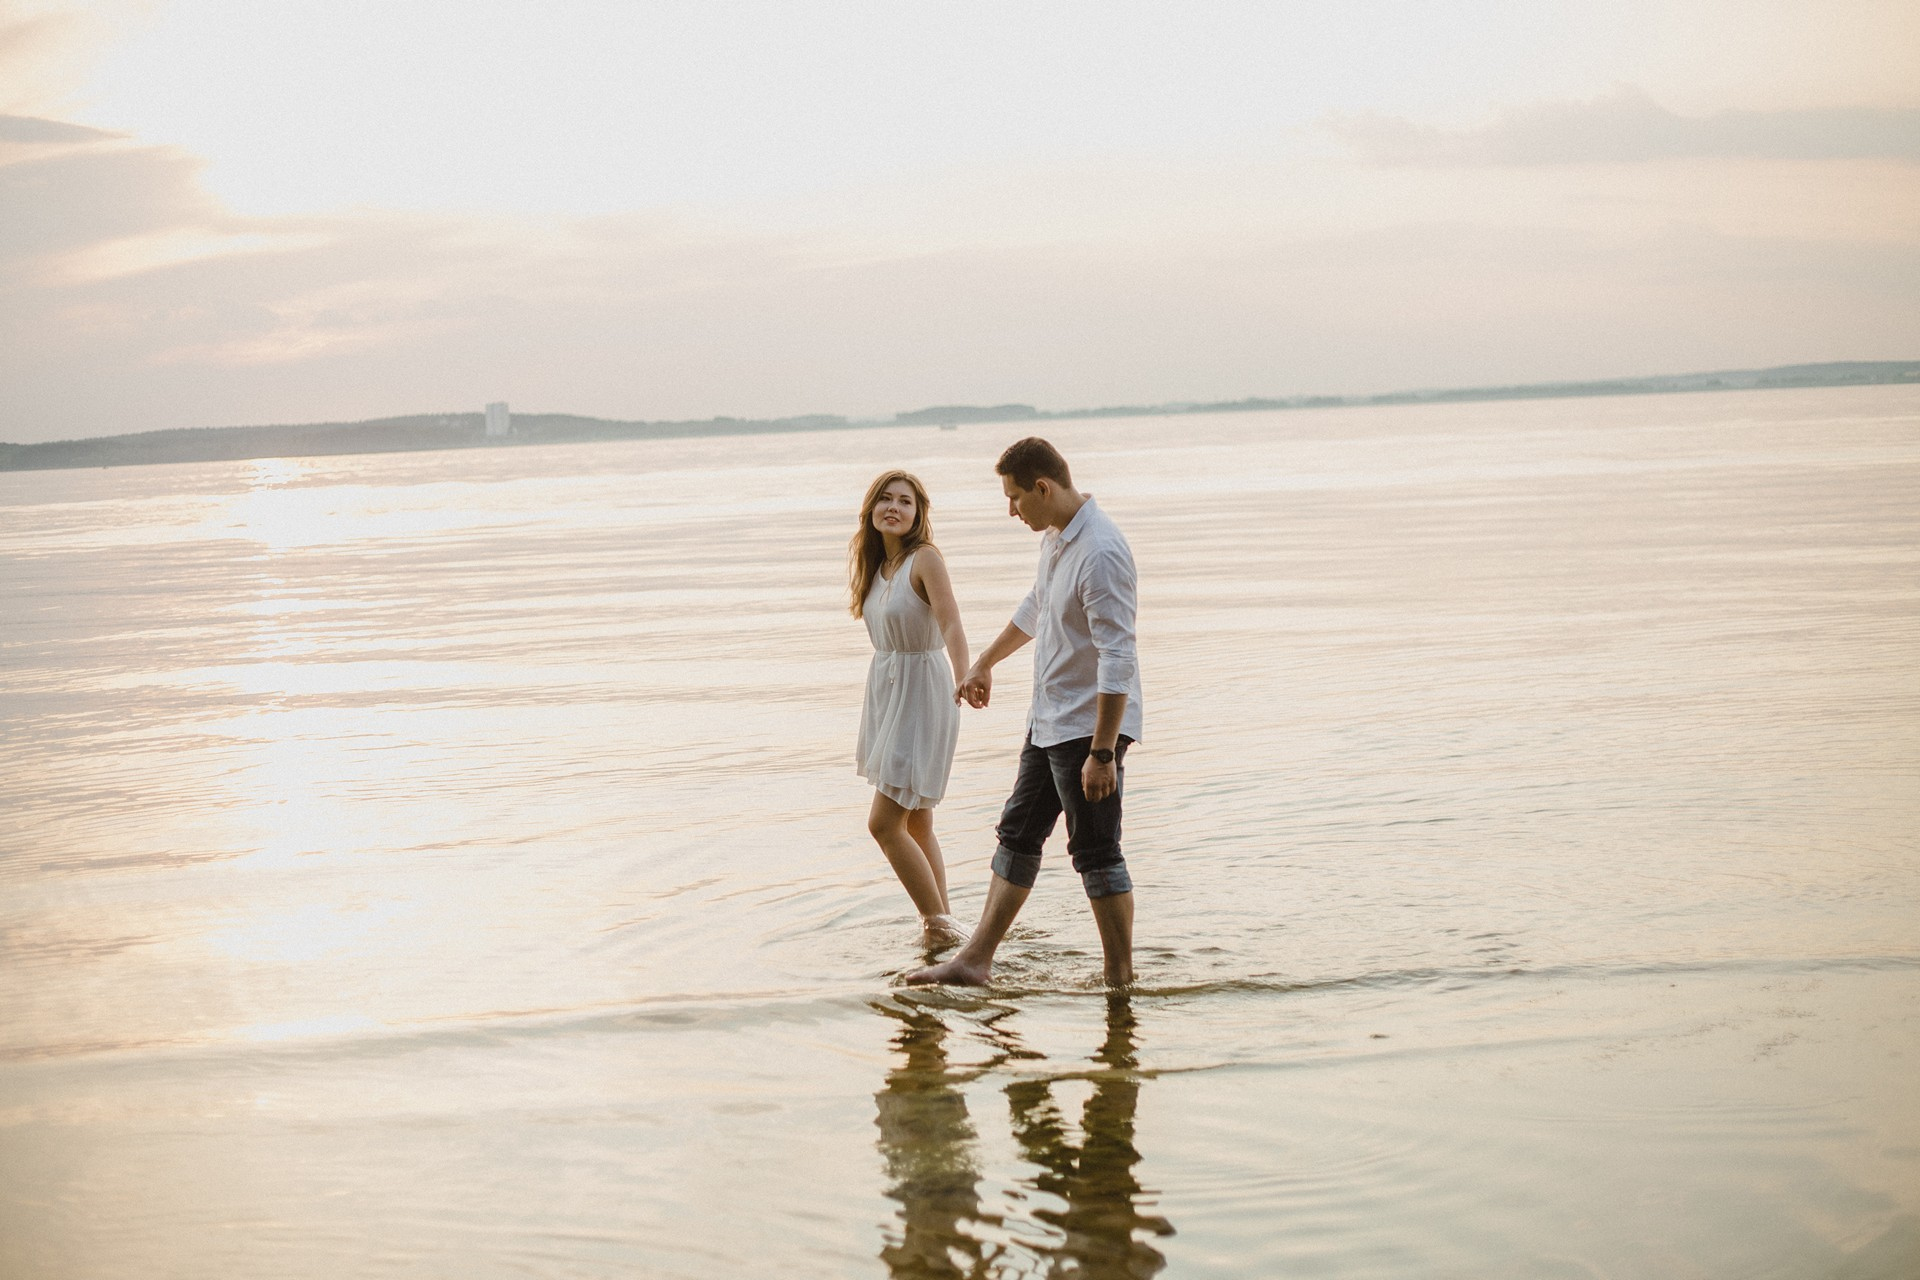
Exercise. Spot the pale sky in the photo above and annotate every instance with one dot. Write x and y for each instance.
(219, 212)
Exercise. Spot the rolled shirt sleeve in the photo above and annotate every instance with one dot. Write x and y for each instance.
(1027, 616)
(1108, 595)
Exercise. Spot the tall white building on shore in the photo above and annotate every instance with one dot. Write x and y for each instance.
(499, 422)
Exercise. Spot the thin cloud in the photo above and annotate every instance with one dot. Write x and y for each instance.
(131, 299)
(46, 47)
(73, 200)
(26, 36)
(389, 315)
(34, 131)
(1629, 127)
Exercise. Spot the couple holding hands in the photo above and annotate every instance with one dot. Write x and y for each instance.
(1084, 715)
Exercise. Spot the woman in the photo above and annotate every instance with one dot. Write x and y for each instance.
(910, 722)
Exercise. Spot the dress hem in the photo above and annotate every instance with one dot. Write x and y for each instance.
(903, 797)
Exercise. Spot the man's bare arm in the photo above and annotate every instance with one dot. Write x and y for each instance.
(1109, 710)
(977, 689)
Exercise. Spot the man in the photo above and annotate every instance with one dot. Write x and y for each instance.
(1084, 715)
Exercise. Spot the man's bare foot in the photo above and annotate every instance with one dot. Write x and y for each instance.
(1120, 977)
(938, 932)
(957, 972)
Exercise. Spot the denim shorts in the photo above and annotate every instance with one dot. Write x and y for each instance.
(1048, 785)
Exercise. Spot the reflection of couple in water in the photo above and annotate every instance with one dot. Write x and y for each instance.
(929, 1140)
(1084, 715)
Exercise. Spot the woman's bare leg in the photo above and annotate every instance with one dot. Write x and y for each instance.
(887, 823)
(920, 827)
(940, 930)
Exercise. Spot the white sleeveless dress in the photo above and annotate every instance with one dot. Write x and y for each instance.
(910, 724)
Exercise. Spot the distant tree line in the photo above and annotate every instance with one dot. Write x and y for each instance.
(468, 430)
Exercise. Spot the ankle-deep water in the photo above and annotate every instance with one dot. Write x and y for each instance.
(451, 864)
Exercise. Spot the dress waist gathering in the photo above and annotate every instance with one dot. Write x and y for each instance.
(890, 661)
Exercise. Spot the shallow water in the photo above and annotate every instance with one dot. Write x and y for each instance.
(451, 864)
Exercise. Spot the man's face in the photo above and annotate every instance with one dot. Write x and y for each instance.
(1027, 505)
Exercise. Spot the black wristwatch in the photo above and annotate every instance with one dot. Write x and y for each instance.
(1103, 755)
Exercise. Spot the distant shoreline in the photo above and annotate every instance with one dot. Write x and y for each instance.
(427, 432)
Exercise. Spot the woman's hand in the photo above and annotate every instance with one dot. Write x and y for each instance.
(977, 689)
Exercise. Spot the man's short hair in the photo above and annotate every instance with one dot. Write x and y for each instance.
(1027, 460)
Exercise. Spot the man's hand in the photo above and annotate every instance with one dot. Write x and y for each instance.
(977, 689)
(1098, 780)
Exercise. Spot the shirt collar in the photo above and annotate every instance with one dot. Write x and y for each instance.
(1081, 519)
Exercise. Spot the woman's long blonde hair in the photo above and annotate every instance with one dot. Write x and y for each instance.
(868, 551)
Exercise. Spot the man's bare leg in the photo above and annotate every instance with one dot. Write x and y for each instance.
(973, 964)
(1114, 915)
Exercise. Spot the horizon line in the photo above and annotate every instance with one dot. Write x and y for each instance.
(19, 457)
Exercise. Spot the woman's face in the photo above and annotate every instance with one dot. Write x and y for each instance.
(896, 509)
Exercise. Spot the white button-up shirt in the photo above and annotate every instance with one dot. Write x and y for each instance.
(1080, 614)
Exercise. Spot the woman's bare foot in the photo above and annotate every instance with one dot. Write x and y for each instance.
(938, 932)
(957, 971)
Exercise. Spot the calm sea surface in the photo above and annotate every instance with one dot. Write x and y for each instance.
(451, 865)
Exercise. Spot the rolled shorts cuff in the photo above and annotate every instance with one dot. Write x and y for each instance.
(1018, 869)
(1107, 881)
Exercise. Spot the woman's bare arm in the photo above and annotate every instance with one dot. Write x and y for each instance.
(936, 588)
